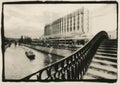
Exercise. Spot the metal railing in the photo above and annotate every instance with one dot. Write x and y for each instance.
(72, 67)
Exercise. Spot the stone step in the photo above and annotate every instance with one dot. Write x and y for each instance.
(107, 48)
(88, 76)
(110, 40)
(102, 70)
(107, 51)
(105, 68)
(109, 43)
(106, 54)
(94, 76)
(108, 58)
(105, 62)
(101, 74)
(101, 63)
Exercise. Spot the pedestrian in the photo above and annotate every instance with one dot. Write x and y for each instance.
(15, 43)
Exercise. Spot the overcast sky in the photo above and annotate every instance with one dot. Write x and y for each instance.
(30, 19)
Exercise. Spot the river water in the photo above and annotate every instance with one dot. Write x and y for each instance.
(18, 65)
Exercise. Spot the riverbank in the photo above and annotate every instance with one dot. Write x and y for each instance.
(54, 51)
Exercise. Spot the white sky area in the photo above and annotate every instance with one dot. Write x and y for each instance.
(30, 19)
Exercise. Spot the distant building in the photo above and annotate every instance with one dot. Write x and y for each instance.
(72, 25)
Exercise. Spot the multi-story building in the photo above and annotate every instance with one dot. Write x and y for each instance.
(69, 26)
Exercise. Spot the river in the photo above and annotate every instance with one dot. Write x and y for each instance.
(17, 65)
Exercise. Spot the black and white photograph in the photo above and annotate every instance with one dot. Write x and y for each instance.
(60, 41)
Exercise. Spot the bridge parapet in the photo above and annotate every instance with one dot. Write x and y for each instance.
(72, 67)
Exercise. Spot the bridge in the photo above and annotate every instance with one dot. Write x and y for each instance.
(97, 60)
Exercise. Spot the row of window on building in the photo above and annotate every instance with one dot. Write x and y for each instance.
(76, 21)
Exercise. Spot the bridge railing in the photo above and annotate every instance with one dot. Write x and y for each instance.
(72, 67)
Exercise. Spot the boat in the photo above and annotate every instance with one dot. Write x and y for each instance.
(30, 55)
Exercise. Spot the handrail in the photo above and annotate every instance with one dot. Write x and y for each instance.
(72, 67)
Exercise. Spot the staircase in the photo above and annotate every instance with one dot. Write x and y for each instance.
(104, 62)
(79, 66)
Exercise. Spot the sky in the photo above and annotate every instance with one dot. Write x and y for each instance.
(30, 19)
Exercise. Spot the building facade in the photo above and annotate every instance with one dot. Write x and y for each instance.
(71, 25)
